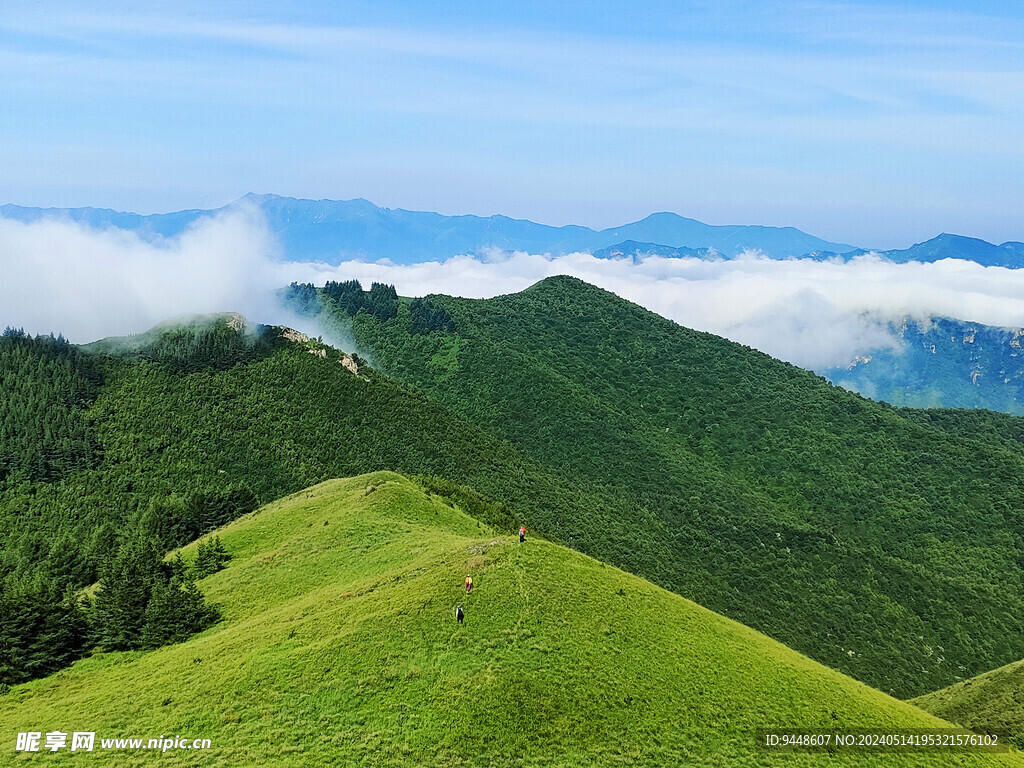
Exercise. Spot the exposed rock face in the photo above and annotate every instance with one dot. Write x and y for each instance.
(235, 321)
(941, 363)
(294, 336)
(349, 363)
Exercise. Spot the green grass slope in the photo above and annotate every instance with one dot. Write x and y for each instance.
(993, 701)
(339, 647)
(888, 548)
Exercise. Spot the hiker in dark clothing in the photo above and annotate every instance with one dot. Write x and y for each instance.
(459, 615)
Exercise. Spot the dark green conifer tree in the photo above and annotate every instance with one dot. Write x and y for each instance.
(126, 585)
(41, 631)
(382, 301)
(175, 611)
(210, 557)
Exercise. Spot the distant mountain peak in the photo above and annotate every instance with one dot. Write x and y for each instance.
(667, 216)
(948, 237)
(950, 246)
(259, 196)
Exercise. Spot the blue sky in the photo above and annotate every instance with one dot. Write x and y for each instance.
(879, 124)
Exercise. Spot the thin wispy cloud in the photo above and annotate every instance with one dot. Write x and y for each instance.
(878, 125)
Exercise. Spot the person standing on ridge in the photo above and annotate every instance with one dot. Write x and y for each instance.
(522, 533)
(469, 583)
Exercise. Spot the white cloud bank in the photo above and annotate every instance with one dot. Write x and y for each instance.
(58, 276)
(813, 314)
(62, 277)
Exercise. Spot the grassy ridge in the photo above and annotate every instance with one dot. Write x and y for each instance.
(993, 701)
(884, 546)
(339, 647)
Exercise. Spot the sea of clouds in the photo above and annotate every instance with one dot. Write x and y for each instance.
(62, 277)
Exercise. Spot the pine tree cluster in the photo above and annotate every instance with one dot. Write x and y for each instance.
(381, 300)
(216, 346)
(303, 298)
(210, 558)
(46, 384)
(428, 317)
(41, 630)
(145, 602)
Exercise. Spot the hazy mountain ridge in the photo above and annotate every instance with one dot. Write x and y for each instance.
(637, 250)
(335, 230)
(1009, 254)
(945, 246)
(148, 226)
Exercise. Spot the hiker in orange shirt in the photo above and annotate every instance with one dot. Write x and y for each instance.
(469, 584)
(522, 533)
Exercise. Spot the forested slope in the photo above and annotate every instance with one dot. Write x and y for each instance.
(881, 545)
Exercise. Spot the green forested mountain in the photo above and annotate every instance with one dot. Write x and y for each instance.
(874, 541)
(339, 646)
(994, 427)
(877, 543)
(46, 384)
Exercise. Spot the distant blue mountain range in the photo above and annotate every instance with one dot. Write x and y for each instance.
(632, 248)
(338, 230)
(1010, 254)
